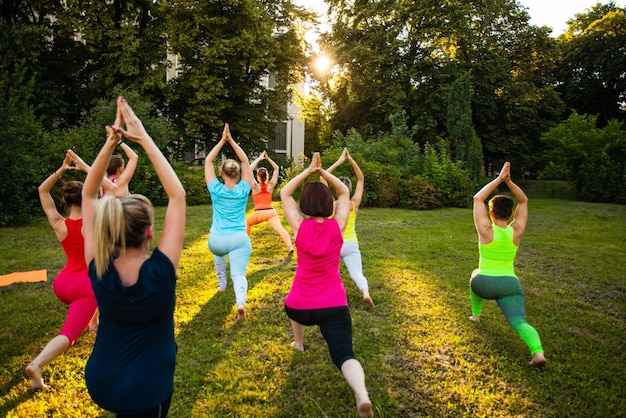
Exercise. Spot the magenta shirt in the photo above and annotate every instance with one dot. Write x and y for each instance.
(317, 283)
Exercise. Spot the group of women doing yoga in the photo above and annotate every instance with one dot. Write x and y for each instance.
(115, 285)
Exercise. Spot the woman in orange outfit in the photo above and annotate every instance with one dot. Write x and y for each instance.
(262, 196)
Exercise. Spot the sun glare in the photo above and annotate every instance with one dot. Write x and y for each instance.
(323, 64)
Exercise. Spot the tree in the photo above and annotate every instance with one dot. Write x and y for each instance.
(20, 136)
(30, 40)
(317, 132)
(594, 58)
(225, 50)
(465, 145)
(397, 55)
(460, 129)
(594, 158)
(77, 52)
(122, 45)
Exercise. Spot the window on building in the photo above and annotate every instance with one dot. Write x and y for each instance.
(279, 142)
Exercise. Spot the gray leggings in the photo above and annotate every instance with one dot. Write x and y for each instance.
(351, 256)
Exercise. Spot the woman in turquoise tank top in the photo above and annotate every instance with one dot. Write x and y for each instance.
(228, 237)
(498, 241)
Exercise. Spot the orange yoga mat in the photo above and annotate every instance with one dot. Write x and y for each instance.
(25, 276)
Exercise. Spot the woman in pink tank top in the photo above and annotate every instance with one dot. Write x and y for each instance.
(317, 296)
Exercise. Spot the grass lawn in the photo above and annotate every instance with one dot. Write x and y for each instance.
(422, 356)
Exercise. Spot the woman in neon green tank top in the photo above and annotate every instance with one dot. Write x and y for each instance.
(498, 241)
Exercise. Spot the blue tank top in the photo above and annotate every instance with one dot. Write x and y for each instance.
(229, 207)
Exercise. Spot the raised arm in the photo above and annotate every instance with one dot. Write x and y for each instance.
(275, 173)
(520, 216)
(91, 188)
(108, 186)
(256, 161)
(246, 171)
(124, 179)
(357, 196)
(290, 207)
(482, 221)
(342, 159)
(256, 189)
(342, 204)
(173, 235)
(56, 220)
(209, 168)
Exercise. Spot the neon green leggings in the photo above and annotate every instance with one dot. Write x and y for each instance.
(508, 294)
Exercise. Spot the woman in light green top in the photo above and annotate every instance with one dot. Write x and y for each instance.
(498, 241)
(350, 253)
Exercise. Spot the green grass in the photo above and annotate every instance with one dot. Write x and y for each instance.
(421, 355)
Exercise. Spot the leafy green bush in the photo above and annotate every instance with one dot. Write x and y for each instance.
(396, 173)
(553, 172)
(436, 168)
(384, 185)
(422, 195)
(602, 181)
(594, 159)
(195, 185)
(22, 170)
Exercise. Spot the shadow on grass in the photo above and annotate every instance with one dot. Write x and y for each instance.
(421, 354)
(213, 345)
(25, 396)
(472, 368)
(442, 365)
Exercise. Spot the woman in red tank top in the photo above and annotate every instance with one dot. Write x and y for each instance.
(72, 285)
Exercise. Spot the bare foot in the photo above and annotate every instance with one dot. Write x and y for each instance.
(290, 250)
(93, 324)
(538, 360)
(368, 301)
(474, 318)
(296, 347)
(365, 409)
(220, 288)
(34, 373)
(241, 315)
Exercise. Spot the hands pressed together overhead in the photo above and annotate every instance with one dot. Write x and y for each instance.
(226, 136)
(125, 115)
(505, 173)
(316, 164)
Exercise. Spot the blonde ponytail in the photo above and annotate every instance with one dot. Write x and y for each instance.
(120, 223)
(109, 226)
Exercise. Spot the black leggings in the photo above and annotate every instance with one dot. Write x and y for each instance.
(335, 325)
(159, 411)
